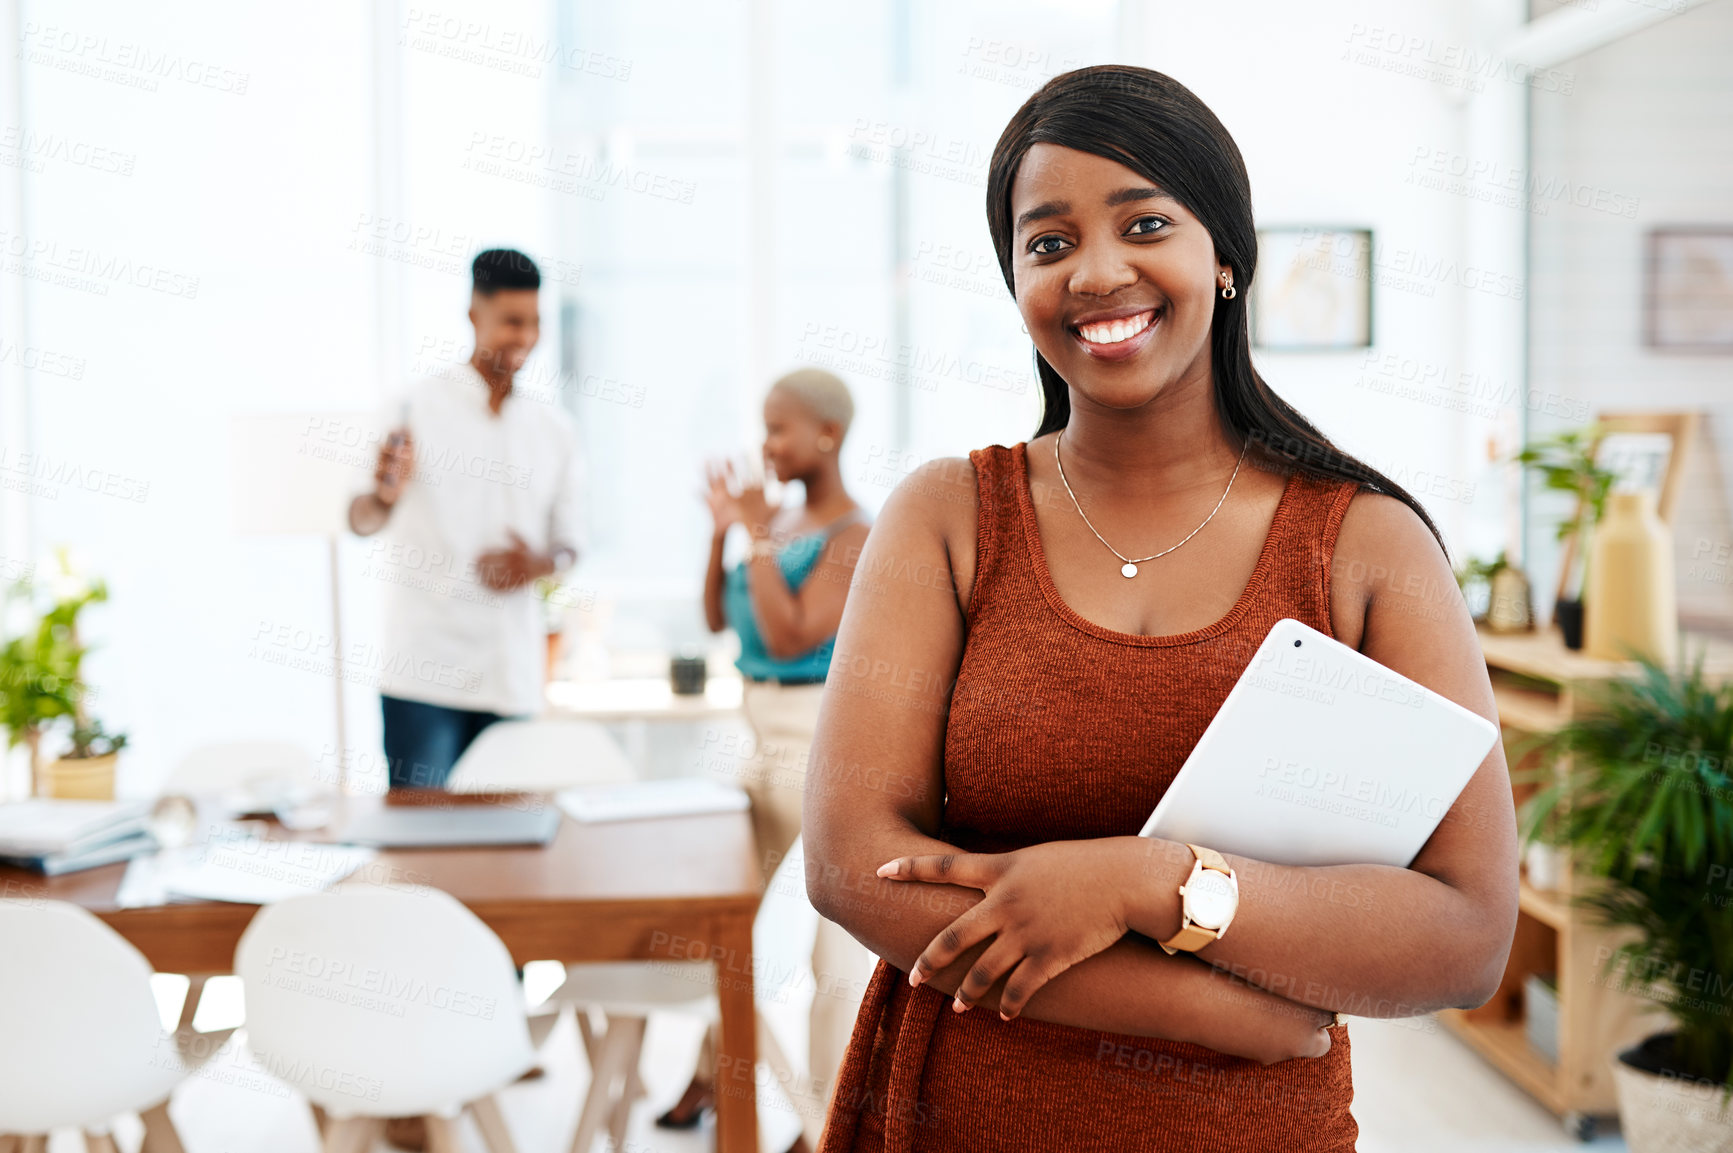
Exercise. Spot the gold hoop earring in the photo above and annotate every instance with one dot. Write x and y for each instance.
(1228, 289)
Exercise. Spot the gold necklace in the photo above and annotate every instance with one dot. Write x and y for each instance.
(1129, 568)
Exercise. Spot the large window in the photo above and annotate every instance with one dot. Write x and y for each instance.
(754, 205)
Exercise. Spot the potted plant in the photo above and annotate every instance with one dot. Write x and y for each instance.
(1566, 463)
(1497, 593)
(86, 770)
(41, 686)
(1640, 795)
(550, 593)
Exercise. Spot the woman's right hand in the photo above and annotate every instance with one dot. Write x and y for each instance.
(1246, 1021)
(720, 496)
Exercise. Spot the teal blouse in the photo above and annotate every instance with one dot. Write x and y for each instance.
(796, 559)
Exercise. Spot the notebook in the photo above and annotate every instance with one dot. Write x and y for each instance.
(640, 800)
(44, 826)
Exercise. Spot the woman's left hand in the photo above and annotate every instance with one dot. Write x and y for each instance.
(1047, 907)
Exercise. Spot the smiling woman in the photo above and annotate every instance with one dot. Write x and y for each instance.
(1022, 710)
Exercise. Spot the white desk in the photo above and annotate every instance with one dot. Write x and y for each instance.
(642, 699)
(635, 702)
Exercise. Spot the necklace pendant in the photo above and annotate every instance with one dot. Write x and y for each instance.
(1128, 570)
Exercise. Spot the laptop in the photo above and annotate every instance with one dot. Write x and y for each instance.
(1322, 756)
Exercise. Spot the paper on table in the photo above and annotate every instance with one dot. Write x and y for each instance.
(245, 870)
(679, 797)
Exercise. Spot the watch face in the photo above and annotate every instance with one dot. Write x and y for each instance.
(1209, 899)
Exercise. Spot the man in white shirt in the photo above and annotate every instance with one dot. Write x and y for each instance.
(479, 489)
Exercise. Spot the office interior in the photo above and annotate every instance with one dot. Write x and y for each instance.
(232, 235)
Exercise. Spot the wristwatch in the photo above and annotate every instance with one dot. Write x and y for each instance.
(1210, 897)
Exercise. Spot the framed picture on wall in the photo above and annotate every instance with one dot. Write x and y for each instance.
(1688, 289)
(1313, 290)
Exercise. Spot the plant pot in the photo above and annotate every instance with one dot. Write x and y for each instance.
(687, 674)
(1510, 604)
(1661, 1111)
(80, 778)
(1568, 614)
(1544, 866)
(1540, 1014)
(554, 651)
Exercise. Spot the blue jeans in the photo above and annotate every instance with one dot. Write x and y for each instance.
(423, 741)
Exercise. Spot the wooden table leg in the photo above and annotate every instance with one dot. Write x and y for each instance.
(160, 1135)
(441, 1134)
(737, 1048)
(190, 1006)
(352, 1134)
(494, 1133)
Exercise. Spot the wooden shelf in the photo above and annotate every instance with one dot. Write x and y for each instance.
(1542, 655)
(1539, 686)
(1505, 1045)
(1550, 909)
(1528, 710)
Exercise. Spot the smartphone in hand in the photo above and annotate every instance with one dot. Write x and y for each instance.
(398, 436)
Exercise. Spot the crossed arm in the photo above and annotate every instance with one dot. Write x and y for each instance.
(1061, 931)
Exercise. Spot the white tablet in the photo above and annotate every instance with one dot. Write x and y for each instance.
(1322, 756)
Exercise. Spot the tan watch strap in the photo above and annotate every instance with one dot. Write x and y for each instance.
(1211, 859)
(1190, 937)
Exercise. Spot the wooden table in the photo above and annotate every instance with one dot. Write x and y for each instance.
(672, 888)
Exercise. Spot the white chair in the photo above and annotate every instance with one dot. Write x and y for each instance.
(257, 768)
(242, 775)
(626, 993)
(539, 756)
(82, 1040)
(377, 1002)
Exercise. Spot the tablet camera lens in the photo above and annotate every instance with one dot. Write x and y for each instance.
(1296, 644)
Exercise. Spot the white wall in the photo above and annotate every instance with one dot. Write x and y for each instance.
(1341, 109)
(249, 177)
(241, 193)
(1645, 139)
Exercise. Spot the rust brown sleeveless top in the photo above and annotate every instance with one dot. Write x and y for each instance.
(1061, 729)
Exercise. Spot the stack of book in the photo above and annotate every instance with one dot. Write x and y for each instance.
(56, 836)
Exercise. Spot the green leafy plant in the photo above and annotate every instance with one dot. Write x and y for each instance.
(1566, 463)
(1638, 790)
(1476, 569)
(1474, 580)
(94, 741)
(41, 664)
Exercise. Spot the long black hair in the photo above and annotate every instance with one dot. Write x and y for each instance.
(1156, 126)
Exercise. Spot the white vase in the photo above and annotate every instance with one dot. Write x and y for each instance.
(1544, 865)
(1666, 1115)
